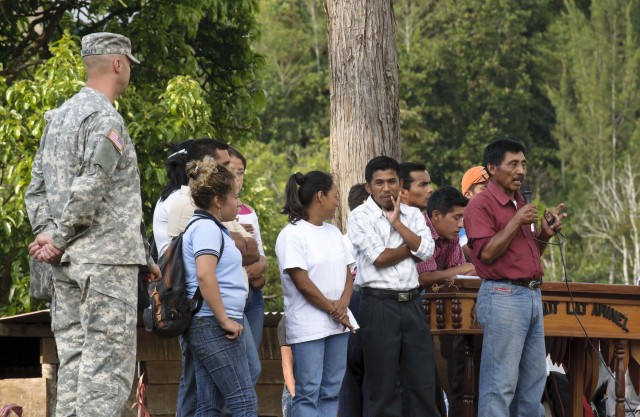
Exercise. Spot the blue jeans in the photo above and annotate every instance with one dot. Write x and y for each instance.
(318, 368)
(513, 368)
(286, 402)
(254, 314)
(222, 369)
(187, 388)
(189, 394)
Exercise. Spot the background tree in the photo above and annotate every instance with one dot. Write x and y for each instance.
(210, 40)
(596, 96)
(469, 74)
(363, 65)
(295, 75)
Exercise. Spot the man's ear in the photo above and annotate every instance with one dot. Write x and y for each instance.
(436, 216)
(117, 65)
(367, 187)
(492, 169)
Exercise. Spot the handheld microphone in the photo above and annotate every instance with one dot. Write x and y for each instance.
(527, 192)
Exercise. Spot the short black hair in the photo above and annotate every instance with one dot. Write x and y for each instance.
(444, 199)
(236, 153)
(380, 163)
(357, 195)
(406, 168)
(495, 151)
(203, 147)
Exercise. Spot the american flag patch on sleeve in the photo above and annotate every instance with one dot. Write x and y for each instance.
(115, 139)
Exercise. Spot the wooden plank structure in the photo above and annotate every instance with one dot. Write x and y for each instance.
(158, 360)
(608, 314)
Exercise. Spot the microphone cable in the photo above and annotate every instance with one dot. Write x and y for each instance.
(561, 240)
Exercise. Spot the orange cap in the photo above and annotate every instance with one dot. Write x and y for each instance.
(475, 175)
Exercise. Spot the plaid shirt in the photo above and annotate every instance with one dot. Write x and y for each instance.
(446, 254)
(371, 233)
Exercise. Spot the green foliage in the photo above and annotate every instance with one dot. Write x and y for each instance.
(468, 76)
(208, 40)
(595, 93)
(19, 300)
(296, 76)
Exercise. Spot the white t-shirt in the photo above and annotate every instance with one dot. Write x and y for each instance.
(320, 250)
(161, 220)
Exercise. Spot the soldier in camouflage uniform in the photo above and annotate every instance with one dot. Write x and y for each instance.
(84, 198)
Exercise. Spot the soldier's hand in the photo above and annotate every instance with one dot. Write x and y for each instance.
(47, 252)
(34, 248)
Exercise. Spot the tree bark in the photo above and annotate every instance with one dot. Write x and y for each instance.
(363, 65)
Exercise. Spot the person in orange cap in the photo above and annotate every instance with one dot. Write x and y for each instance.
(474, 181)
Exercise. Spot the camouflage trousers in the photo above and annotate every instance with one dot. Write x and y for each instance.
(95, 333)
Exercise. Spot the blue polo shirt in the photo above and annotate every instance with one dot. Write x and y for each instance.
(204, 238)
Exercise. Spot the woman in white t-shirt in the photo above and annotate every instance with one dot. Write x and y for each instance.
(176, 177)
(317, 285)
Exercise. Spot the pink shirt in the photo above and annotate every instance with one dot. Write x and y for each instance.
(447, 253)
(487, 214)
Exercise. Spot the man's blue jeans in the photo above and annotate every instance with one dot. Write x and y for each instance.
(222, 369)
(187, 394)
(513, 368)
(287, 399)
(318, 368)
(254, 314)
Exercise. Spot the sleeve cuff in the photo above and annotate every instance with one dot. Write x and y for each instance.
(58, 241)
(374, 253)
(425, 251)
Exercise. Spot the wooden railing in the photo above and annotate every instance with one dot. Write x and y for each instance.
(610, 314)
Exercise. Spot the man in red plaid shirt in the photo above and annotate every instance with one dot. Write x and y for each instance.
(444, 217)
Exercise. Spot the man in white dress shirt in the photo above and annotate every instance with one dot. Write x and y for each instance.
(389, 237)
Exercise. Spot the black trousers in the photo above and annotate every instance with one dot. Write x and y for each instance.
(452, 350)
(354, 399)
(396, 341)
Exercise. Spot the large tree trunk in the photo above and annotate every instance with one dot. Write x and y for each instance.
(365, 115)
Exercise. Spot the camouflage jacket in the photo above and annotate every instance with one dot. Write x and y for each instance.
(85, 186)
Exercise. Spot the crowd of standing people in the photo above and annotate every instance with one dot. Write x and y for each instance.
(355, 339)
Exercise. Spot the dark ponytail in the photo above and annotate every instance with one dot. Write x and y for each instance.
(300, 191)
(176, 174)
